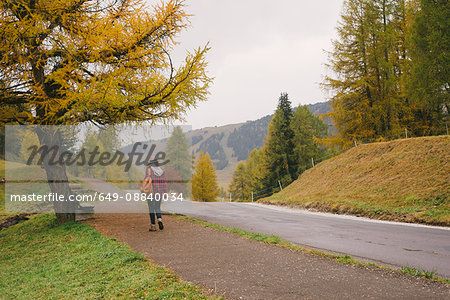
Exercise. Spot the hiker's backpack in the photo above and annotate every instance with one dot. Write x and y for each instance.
(147, 185)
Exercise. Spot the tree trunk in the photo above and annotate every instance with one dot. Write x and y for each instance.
(56, 175)
(62, 218)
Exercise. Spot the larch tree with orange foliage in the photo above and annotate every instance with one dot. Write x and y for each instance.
(204, 180)
(105, 62)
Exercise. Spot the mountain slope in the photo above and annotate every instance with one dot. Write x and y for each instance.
(405, 180)
(236, 141)
(216, 138)
(249, 136)
(229, 144)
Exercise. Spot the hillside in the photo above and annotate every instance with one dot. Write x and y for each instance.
(214, 141)
(229, 144)
(403, 180)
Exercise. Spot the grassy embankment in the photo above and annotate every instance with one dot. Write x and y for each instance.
(19, 171)
(34, 178)
(40, 260)
(403, 180)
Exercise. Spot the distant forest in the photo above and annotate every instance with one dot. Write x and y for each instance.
(216, 152)
(252, 134)
(249, 136)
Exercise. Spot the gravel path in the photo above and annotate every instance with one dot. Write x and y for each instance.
(239, 268)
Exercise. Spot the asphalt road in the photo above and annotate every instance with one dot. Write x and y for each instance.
(397, 244)
(391, 243)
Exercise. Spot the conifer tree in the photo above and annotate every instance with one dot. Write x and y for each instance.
(105, 62)
(281, 160)
(430, 59)
(179, 168)
(257, 169)
(240, 184)
(369, 65)
(222, 193)
(177, 151)
(308, 129)
(204, 180)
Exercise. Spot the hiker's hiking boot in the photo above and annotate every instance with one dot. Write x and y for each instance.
(152, 228)
(160, 225)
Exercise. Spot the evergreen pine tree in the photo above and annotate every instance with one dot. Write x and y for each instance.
(178, 154)
(281, 161)
(204, 180)
(179, 168)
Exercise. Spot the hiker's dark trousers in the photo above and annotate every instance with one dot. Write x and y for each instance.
(154, 207)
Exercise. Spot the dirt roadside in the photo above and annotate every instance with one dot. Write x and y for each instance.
(239, 268)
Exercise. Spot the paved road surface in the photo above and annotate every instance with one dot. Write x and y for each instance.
(391, 243)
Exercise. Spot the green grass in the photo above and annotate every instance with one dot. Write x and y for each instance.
(32, 179)
(40, 260)
(343, 259)
(20, 171)
(419, 272)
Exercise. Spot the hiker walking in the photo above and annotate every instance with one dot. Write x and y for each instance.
(154, 186)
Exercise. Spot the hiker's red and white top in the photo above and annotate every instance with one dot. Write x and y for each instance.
(158, 180)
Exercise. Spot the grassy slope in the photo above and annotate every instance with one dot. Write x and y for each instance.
(403, 180)
(39, 260)
(20, 171)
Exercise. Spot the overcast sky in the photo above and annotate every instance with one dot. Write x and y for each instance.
(259, 48)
